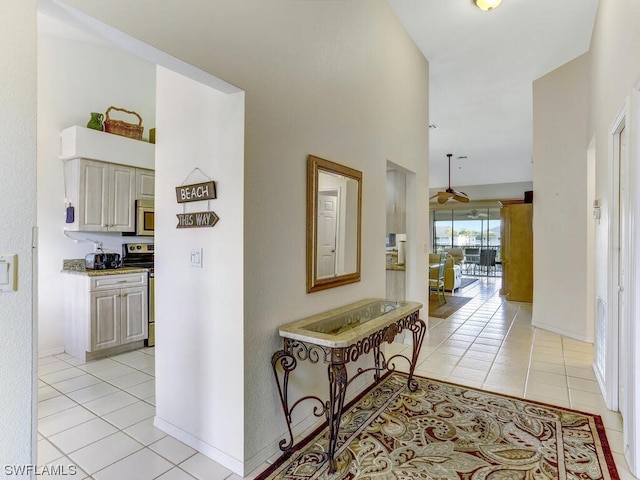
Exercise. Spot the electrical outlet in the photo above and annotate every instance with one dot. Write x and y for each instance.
(196, 257)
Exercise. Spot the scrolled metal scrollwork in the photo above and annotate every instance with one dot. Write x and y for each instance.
(285, 361)
(309, 353)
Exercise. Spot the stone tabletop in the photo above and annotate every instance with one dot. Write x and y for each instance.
(346, 325)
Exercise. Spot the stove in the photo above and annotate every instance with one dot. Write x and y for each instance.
(141, 255)
(138, 255)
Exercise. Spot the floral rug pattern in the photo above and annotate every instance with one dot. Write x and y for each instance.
(449, 432)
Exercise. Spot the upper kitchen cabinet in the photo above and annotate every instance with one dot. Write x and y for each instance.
(102, 195)
(145, 184)
(104, 175)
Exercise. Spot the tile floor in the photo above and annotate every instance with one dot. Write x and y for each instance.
(96, 418)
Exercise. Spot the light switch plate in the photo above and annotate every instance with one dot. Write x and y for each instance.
(8, 273)
(196, 257)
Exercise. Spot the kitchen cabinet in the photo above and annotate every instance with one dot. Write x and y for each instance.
(104, 175)
(105, 313)
(145, 184)
(102, 194)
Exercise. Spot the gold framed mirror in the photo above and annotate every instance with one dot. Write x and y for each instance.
(334, 206)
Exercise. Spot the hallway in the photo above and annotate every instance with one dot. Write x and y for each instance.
(98, 415)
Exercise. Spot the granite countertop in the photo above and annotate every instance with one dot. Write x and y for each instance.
(76, 266)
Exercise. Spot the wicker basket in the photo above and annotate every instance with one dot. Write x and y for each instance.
(118, 127)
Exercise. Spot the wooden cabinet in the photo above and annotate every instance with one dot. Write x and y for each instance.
(104, 175)
(105, 314)
(102, 194)
(145, 184)
(517, 251)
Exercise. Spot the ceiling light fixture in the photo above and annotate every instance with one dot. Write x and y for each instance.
(487, 5)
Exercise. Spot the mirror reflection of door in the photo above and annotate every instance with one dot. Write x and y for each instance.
(327, 232)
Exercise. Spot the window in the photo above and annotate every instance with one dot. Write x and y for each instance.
(474, 229)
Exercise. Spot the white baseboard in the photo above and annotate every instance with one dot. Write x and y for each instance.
(233, 464)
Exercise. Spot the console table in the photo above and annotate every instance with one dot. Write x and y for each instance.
(336, 338)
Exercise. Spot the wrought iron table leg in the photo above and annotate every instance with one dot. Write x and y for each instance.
(337, 390)
(376, 360)
(419, 329)
(288, 364)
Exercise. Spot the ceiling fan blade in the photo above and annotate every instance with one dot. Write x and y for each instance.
(460, 197)
(443, 197)
(433, 196)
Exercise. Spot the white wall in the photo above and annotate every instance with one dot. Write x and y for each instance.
(615, 71)
(560, 114)
(17, 217)
(74, 79)
(199, 311)
(611, 75)
(341, 80)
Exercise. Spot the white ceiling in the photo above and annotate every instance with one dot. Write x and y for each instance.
(482, 66)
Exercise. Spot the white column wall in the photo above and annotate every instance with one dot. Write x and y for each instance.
(17, 218)
(560, 114)
(200, 311)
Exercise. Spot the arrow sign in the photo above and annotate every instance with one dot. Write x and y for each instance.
(197, 219)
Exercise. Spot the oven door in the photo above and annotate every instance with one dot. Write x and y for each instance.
(144, 218)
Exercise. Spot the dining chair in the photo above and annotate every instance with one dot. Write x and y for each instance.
(488, 259)
(437, 284)
(471, 259)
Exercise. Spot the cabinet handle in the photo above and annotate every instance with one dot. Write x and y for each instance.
(122, 281)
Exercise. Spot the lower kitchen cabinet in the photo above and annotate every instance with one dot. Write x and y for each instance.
(105, 314)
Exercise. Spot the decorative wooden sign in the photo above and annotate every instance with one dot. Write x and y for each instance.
(196, 192)
(197, 219)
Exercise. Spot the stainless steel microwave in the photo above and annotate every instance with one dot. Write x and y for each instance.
(144, 218)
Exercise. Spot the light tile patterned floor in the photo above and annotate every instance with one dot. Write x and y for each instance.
(98, 416)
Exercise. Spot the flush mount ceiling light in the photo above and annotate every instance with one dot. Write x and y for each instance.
(487, 5)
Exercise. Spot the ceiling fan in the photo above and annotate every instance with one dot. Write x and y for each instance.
(475, 214)
(443, 197)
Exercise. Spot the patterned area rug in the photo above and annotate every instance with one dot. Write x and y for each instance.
(452, 305)
(445, 431)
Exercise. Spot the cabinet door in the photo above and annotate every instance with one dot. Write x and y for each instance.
(145, 184)
(93, 196)
(121, 198)
(105, 319)
(134, 314)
